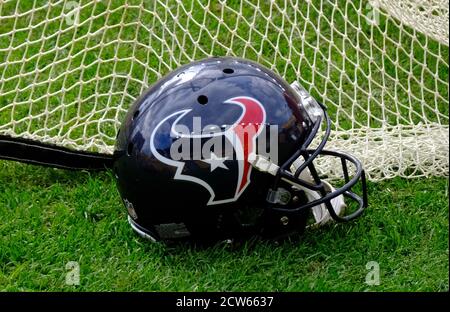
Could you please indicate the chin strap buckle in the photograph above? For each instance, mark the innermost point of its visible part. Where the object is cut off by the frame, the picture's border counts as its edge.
(279, 196)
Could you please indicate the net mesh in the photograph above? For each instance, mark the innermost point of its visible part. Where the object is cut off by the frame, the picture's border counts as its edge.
(70, 70)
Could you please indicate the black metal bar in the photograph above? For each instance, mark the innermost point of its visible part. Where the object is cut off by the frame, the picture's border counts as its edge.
(364, 188)
(345, 169)
(319, 147)
(29, 151)
(287, 175)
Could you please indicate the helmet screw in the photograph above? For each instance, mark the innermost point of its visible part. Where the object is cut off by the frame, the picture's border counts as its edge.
(284, 220)
(295, 199)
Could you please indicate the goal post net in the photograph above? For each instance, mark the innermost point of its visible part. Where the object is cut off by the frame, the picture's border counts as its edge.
(69, 70)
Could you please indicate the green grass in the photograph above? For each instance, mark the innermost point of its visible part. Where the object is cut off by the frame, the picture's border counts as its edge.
(50, 217)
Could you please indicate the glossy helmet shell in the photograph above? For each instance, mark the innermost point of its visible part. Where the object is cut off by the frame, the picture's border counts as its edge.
(167, 207)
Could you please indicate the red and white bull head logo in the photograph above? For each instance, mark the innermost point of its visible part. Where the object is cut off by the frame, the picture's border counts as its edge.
(241, 136)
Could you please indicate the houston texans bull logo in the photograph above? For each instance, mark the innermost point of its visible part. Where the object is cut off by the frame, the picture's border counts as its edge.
(241, 135)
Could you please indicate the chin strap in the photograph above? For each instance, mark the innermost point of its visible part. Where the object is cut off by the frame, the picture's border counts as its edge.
(320, 212)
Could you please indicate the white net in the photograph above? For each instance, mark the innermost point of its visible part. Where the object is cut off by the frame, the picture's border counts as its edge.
(69, 70)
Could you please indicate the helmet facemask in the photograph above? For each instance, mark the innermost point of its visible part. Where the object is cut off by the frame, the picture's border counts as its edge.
(299, 174)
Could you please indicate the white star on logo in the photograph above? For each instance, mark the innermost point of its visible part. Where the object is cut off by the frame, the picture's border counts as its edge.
(216, 162)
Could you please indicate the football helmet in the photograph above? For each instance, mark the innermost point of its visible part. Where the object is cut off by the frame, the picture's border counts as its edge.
(220, 149)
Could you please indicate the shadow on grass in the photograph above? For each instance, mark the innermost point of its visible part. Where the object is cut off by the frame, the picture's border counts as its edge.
(26, 175)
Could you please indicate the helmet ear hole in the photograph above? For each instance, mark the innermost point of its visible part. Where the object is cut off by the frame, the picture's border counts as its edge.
(202, 99)
(228, 70)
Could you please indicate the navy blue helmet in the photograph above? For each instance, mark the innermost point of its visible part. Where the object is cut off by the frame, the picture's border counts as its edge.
(220, 149)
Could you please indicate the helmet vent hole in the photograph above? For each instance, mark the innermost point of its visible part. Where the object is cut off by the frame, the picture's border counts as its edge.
(202, 99)
(136, 113)
(228, 70)
(130, 149)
